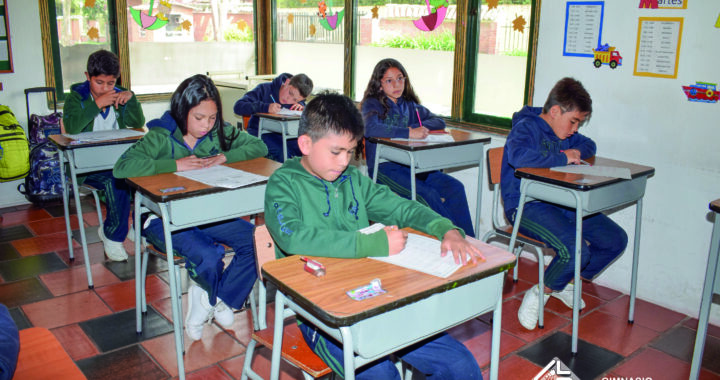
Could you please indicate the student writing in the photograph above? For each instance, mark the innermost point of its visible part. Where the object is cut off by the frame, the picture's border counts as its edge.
(315, 205)
(390, 108)
(288, 91)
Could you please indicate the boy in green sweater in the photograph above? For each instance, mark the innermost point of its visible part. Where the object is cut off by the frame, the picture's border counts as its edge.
(315, 205)
(99, 105)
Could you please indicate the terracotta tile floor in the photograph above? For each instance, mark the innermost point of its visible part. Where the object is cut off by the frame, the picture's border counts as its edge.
(96, 326)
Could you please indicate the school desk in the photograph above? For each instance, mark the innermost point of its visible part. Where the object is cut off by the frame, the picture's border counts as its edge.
(466, 150)
(587, 194)
(286, 125)
(85, 157)
(415, 307)
(230, 91)
(194, 205)
(710, 294)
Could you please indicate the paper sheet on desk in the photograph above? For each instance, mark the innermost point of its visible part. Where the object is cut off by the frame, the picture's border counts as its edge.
(602, 171)
(421, 254)
(222, 176)
(289, 112)
(104, 135)
(439, 138)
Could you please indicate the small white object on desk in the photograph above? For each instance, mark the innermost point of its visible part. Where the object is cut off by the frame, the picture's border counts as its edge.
(432, 138)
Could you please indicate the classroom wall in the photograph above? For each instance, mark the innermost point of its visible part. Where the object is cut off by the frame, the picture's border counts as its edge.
(650, 121)
(639, 119)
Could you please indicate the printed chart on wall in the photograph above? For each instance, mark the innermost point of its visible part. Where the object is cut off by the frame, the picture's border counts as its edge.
(583, 27)
(658, 46)
(5, 49)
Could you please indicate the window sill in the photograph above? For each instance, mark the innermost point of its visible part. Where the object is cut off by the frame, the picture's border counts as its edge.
(501, 132)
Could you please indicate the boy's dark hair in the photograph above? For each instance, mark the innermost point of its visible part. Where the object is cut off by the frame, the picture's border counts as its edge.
(331, 112)
(303, 84)
(570, 95)
(374, 87)
(103, 62)
(188, 95)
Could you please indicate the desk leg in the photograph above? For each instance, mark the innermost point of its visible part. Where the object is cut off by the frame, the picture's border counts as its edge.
(138, 259)
(277, 336)
(284, 138)
(578, 282)
(348, 354)
(377, 162)
(496, 334)
(636, 258)
(478, 207)
(412, 176)
(81, 223)
(174, 291)
(706, 300)
(66, 202)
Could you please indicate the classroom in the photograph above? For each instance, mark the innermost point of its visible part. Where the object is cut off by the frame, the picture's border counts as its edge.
(494, 57)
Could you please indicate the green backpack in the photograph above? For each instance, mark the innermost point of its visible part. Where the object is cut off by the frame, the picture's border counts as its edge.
(14, 148)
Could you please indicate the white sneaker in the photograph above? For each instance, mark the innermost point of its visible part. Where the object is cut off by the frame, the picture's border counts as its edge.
(529, 309)
(199, 312)
(224, 314)
(113, 249)
(566, 296)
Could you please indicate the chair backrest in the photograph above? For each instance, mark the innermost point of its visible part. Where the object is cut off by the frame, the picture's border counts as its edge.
(494, 162)
(245, 121)
(264, 248)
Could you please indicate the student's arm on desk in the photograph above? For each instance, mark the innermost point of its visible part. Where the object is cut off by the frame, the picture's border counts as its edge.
(585, 145)
(429, 119)
(523, 150)
(295, 236)
(254, 101)
(149, 156)
(244, 147)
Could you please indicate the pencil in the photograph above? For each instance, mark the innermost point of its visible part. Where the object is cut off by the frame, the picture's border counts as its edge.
(273, 98)
(418, 115)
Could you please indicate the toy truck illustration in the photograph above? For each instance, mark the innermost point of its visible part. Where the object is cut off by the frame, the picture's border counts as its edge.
(607, 55)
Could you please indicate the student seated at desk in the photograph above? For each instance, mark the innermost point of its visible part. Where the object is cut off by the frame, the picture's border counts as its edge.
(192, 135)
(391, 109)
(315, 205)
(287, 91)
(99, 105)
(547, 137)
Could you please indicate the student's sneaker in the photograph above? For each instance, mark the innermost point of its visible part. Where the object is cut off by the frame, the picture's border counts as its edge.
(113, 249)
(199, 312)
(224, 314)
(566, 296)
(529, 309)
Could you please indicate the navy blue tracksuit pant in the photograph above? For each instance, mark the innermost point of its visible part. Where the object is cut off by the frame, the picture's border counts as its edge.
(200, 246)
(437, 190)
(117, 204)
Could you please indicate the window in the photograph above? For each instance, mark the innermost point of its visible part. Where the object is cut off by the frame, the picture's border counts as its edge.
(76, 33)
(485, 82)
(498, 51)
(183, 38)
(420, 36)
(309, 40)
(159, 42)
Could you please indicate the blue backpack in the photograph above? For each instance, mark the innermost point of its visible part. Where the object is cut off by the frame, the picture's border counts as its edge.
(43, 184)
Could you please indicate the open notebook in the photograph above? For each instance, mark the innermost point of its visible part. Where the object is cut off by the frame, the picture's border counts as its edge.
(421, 253)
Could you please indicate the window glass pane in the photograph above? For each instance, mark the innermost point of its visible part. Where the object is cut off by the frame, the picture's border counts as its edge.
(172, 40)
(309, 40)
(81, 31)
(502, 57)
(418, 35)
